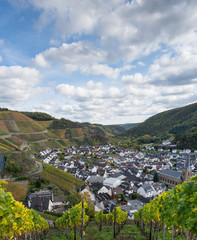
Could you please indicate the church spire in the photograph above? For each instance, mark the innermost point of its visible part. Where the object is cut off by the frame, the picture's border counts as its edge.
(186, 172)
(187, 164)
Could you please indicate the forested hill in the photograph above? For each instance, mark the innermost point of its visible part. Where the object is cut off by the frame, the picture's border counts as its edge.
(181, 122)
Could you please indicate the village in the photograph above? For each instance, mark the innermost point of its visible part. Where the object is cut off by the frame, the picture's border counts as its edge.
(115, 176)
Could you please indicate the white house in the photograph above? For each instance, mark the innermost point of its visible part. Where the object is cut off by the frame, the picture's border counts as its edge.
(86, 189)
(105, 189)
(112, 182)
(146, 190)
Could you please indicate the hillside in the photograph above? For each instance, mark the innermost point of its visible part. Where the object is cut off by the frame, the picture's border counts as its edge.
(40, 131)
(18, 164)
(177, 122)
(16, 128)
(37, 130)
(127, 126)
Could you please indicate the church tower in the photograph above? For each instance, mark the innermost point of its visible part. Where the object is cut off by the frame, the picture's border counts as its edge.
(186, 172)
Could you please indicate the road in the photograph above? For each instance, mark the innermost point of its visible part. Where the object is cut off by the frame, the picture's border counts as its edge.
(30, 174)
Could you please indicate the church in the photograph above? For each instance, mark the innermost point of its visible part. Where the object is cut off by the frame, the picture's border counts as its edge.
(171, 177)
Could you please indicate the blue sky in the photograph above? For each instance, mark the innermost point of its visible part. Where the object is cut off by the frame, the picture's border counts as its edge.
(101, 61)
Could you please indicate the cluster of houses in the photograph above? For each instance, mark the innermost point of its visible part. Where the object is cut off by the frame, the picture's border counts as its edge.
(114, 175)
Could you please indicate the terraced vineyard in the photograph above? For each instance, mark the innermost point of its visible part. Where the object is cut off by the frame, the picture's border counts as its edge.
(41, 131)
(61, 179)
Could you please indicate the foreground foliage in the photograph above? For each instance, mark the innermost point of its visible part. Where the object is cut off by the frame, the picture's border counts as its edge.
(17, 221)
(175, 210)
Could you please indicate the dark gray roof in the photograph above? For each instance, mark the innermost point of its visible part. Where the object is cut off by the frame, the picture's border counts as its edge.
(95, 179)
(41, 193)
(171, 173)
(147, 187)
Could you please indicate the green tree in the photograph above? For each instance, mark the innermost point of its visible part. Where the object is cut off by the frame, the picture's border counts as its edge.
(155, 177)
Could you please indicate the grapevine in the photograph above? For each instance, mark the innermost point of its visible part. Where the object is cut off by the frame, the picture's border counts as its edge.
(175, 210)
(16, 220)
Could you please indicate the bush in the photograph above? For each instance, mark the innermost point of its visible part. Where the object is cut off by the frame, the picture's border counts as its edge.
(13, 168)
(22, 178)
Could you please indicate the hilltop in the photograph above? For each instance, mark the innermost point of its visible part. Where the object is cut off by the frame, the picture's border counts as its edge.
(37, 130)
(179, 122)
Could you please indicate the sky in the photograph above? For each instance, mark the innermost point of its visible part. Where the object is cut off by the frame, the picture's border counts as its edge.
(98, 61)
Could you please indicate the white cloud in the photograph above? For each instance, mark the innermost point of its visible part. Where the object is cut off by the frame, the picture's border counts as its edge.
(54, 42)
(101, 69)
(1, 59)
(177, 67)
(137, 78)
(82, 56)
(18, 84)
(141, 63)
(74, 53)
(91, 91)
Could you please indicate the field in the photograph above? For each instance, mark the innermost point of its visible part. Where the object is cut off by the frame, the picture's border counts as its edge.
(45, 123)
(34, 137)
(9, 115)
(38, 146)
(15, 140)
(77, 132)
(29, 126)
(2, 133)
(51, 134)
(11, 126)
(59, 132)
(18, 189)
(3, 149)
(52, 144)
(3, 127)
(63, 142)
(7, 144)
(61, 179)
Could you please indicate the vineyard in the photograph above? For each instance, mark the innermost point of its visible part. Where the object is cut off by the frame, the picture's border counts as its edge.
(17, 222)
(59, 132)
(61, 179)
(18, 189)
(173, 212)
(29, 126)
(9, 115)
(76, 219)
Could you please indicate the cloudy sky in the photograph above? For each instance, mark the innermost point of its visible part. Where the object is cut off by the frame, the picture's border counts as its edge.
(101, 61)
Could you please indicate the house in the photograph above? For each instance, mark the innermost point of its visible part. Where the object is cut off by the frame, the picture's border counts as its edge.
(105, 189)
(58, 203)
(146, 190)
(159, 188)
(95, 179)
(99, 206)
(112, 182)
(86, 189)
(40, 201)
(116, 191)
